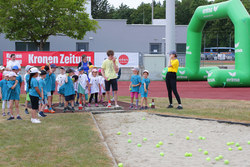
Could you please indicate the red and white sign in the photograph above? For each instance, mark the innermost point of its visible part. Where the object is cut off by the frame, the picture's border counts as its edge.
(125, 59)
(41, 58)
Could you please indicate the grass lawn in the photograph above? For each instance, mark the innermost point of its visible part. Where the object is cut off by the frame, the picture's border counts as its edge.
(60, 140)
(230, 110)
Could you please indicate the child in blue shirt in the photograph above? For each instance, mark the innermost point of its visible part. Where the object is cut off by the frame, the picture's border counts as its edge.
(34, 93)
(144, 89)
(4, 91)
(13, 95)
(26, 88)
(69, 91)
(19, 78)
(53, 80)
(134, 88)
(43, 99)
(48, 85)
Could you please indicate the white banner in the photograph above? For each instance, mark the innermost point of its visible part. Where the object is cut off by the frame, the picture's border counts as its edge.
(124, 59)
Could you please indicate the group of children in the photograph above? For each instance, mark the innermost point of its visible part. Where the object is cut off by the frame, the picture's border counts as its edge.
(139, 86)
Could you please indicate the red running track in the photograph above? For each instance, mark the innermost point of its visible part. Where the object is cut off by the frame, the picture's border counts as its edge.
(196, 90)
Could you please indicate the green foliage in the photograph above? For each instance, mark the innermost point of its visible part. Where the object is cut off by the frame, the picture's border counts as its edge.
(37, 20)
(101, 9)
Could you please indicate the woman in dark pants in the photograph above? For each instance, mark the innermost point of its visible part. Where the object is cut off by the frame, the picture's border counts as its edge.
(173, 65)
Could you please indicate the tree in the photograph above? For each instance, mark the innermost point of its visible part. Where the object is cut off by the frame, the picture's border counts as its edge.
(123, 12)
(101, 9)
(142, 15)
(37, 20)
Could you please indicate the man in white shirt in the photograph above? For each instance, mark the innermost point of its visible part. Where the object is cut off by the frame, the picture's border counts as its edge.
(13, 62)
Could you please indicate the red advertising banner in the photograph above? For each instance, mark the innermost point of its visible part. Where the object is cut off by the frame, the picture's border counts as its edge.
(41, 58)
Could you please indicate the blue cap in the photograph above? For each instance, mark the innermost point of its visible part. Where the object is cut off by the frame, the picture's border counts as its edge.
(15, 68)
(80, 69)
(53, 66)
(172, 52)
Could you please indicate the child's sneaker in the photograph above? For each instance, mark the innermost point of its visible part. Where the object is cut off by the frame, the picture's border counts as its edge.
(41, 114)
(146, 107)
(141, 108)
(179, 108)
(89, 105)
(51, 111)
(35, 121)
(4, 114)
(73, 109)
(10, 118)
(18, 118)
(8, 113)
(170, 106)
(136, 107)
(96, 105)
(131, 107)
(26, 111)
(65, 109)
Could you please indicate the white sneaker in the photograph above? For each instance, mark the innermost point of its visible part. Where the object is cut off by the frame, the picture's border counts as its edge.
(117, 106)
(36, 121)
(109, 105)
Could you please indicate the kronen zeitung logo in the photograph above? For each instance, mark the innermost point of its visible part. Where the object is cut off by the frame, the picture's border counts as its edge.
(210, 10)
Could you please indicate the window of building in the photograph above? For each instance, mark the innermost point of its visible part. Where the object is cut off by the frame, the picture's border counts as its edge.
(155, 48)
(30, 46)
(82, 46)
(181, 48)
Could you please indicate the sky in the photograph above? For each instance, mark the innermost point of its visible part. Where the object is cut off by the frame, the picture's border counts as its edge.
(130, 3)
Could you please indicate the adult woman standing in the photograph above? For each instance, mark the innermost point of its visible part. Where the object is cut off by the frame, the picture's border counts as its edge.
(173, 65)
(85, 64)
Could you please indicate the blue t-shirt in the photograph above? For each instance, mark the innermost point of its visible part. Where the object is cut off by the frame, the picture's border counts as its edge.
(135, 79)
(5, 89)
(48, 82)
(42, 85)
(69, 87)
(13, 94)
(32, 91)
(144, 81)
(19, 78)
(27, 82)
(53, 81)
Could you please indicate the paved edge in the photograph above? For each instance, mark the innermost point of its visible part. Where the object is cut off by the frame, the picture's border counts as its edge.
(103, 140)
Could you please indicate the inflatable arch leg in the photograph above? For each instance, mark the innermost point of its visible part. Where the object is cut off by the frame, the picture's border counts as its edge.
(235, 10)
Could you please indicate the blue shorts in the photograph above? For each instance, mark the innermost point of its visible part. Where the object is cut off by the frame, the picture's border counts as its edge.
(144, 94)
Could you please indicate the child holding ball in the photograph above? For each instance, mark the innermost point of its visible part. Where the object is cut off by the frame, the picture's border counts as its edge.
(144, 90)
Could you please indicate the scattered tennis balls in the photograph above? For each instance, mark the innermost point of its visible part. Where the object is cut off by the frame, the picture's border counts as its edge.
(120, 165)
(226, 162)
(160, 143)
(217, 158)
(129, 140)
(228, 143)
(190, 131)
(200, 137)
(205, 152)
(188, 154)
(162, 154)
(139, 145)
(145, 139)
(203, 138)
(208, 159)
(232, 143)
(171, 134)
(230, 149)
(157, 145)
(118, 133)
(220, 156)
(248, 142)
(129, 133)
(200, 150)
(187, 138)
(237, 144)
(143, 118)
(240, 148)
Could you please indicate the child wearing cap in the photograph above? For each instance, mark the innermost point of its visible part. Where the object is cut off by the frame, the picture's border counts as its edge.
(48, 86)
(43, 100)
(53, 81)
(26, 89)
(94, 87)
(144, 89)
(1, 72)
(19, 78)
(34, 93)
(134, 87)
(4, 92)
(83, 82)
(102, 91)
(60, 79)
(69, 91)
(13, 95)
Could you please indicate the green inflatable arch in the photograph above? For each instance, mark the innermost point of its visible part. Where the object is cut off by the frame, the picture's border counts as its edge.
(216, 77)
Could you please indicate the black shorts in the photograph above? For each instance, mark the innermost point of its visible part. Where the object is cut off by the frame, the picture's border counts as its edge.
(34, 102)
(52, 92)
(70, 97)
(113, 83)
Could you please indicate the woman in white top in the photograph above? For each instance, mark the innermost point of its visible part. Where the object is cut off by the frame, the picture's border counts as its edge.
(13, 62)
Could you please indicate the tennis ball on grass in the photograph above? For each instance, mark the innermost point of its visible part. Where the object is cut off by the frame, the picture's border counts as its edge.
(138, 145)
(120, 165)
(240, 148)
(162, 154)
(187, 138)
(226, 162)
(118, 133)
(129, 140)
(129, 133)
(157, 145)
(230, 149)
(208, 159)
(160, 143)
(205, 152)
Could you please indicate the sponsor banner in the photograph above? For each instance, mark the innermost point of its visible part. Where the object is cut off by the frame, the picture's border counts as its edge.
(41, 58)
(124, 59)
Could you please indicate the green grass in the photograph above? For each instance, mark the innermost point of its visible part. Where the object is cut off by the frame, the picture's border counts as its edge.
(60, 140)
(230, 110)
